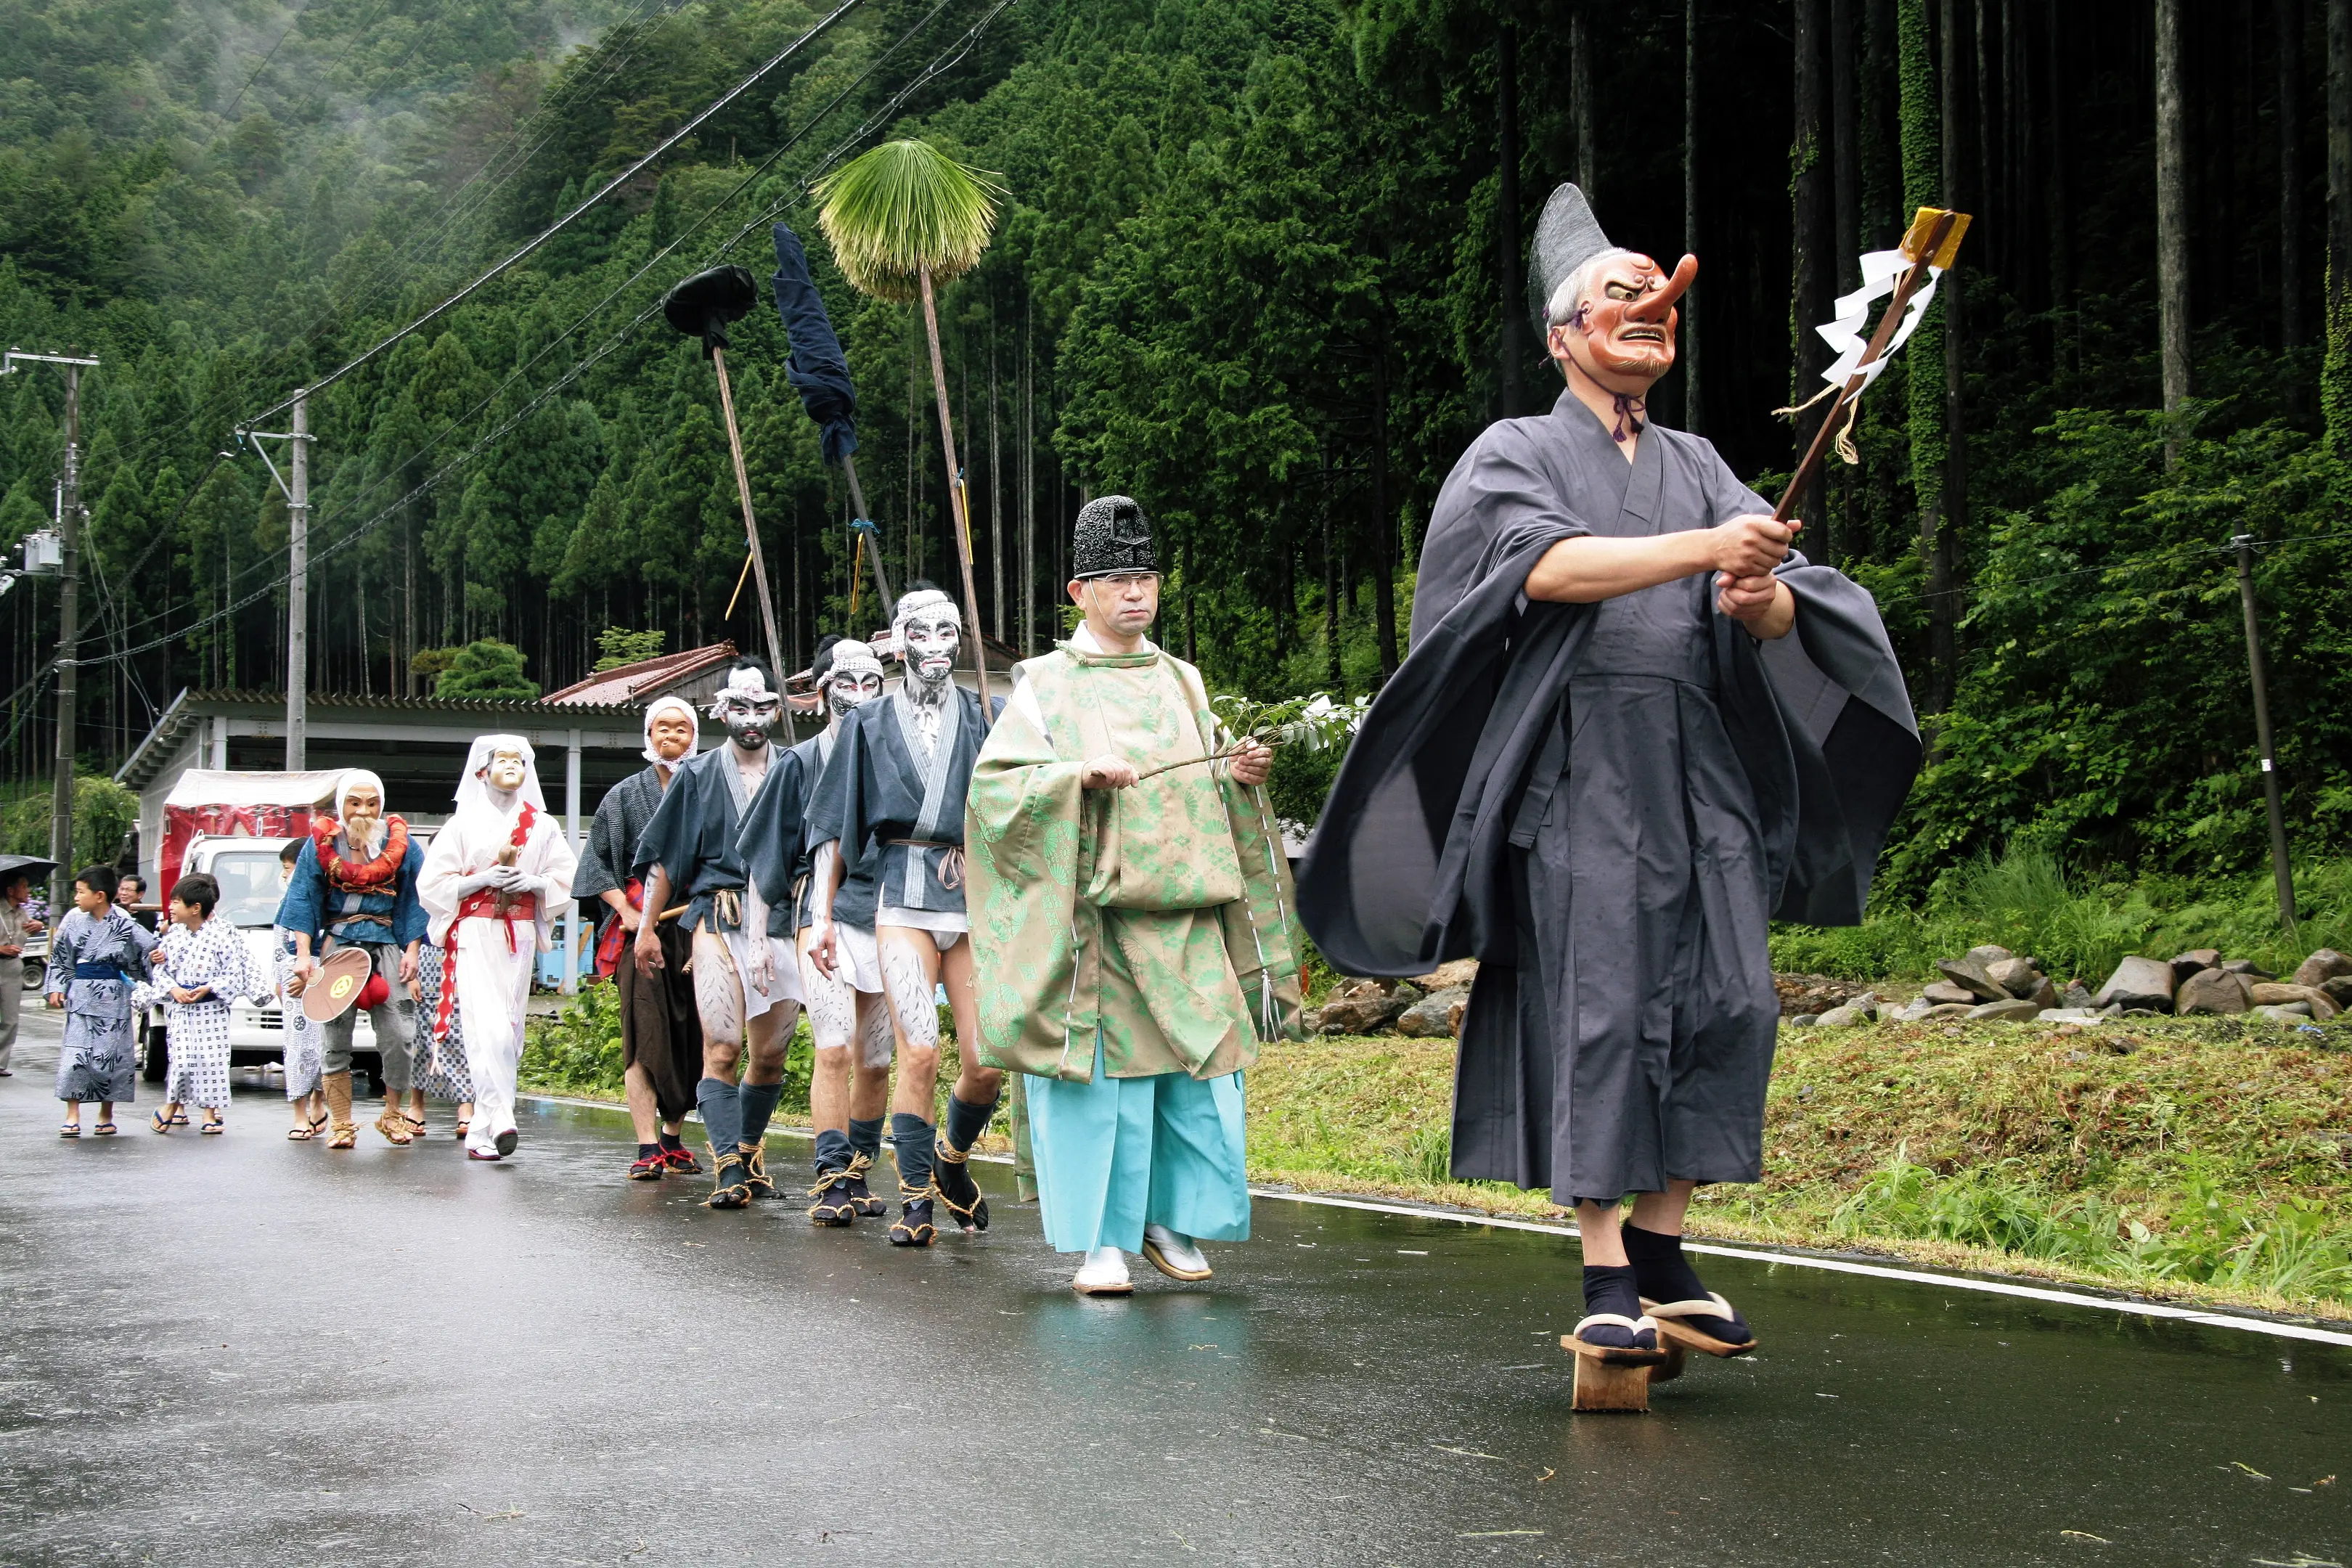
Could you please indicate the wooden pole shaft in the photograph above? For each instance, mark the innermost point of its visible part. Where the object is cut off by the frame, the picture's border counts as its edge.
(750, 528)
(1893, 317)
(857, 504)
(956, 499)
(2281, 872)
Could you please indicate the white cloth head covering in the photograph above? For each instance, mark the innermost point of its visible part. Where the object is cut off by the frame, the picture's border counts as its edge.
(660, 705)
(921, 599)
(474, 790)
(851, 657)
(743, 681)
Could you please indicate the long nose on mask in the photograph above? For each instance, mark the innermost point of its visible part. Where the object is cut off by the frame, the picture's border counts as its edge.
(1653, 306)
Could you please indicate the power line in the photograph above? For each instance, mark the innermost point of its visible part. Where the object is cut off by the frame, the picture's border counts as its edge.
(292, 23)
(947, 60)
(672, 140)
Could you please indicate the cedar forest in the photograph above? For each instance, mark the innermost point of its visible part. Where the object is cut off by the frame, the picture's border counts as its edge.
(1260, 265)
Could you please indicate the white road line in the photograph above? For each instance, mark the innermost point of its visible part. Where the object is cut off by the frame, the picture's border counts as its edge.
(2204, 1317)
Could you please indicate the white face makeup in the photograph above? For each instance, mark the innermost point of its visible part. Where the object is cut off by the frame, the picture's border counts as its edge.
(506, 770)
(927, 639)
(747, 709)
(851, 689)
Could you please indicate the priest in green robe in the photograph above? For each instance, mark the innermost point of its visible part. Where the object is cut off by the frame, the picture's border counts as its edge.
(1131, 926)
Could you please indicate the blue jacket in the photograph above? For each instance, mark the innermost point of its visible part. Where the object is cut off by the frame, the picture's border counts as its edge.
(310, 905)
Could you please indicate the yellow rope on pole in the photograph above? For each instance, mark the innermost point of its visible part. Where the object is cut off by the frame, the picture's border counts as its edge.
(737, 593)
(857, 580)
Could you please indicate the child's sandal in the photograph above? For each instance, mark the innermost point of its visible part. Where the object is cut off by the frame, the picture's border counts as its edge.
(105, 1129)
(70, 1129)
(214, 1124)
(160, 1122)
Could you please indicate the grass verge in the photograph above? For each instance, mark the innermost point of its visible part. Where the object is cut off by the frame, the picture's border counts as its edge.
(2206, 1160)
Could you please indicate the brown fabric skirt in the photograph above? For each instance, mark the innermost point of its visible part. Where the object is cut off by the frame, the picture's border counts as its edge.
(660, 1029)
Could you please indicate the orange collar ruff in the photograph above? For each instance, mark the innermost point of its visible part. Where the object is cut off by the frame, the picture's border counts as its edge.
(379, 875)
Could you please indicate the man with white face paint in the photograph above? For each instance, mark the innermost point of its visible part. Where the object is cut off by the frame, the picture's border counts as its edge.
(497, 871)
(892, 804)
(355, 885)
(850, 1087)
(746, 984)
(661, 1033)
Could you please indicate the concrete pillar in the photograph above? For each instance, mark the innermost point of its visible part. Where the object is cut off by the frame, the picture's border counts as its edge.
(571, 981)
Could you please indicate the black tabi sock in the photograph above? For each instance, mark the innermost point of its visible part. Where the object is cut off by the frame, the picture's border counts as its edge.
(967, 1122)
(1611, 1288)
(722, 1115)
(1665, 1275)
(758, 1104)
(910, 1142)
(832, 1151)
(647, 1151)
(671, 1142)
(866, 1138)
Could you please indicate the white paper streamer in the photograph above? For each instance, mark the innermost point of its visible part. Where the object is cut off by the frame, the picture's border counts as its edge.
(1848, 334)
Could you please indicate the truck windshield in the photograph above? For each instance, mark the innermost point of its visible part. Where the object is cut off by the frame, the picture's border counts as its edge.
(248, 885)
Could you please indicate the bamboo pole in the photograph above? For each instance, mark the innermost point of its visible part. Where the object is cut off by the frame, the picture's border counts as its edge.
(957, 502)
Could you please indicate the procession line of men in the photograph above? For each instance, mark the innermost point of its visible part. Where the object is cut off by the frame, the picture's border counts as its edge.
(1603, 766)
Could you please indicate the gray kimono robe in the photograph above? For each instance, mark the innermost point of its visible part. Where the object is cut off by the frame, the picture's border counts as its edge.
(661, 1030)
(896, 810)
(1606, 803)
(692, 837)
(95, 961)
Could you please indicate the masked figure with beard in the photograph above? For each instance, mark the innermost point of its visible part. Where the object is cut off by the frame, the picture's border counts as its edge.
(892, 802)
(355, 885)
(1604, 767)
(746, 985)
(661, 1033)
(850, 1087)
(497, 871)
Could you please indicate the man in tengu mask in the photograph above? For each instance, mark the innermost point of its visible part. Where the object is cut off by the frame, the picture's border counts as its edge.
(892, 802)
(849, 1087)
(746, 986)
(1605, 766)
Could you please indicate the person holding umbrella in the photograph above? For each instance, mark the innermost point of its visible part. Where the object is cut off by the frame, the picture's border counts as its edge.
(16, 874)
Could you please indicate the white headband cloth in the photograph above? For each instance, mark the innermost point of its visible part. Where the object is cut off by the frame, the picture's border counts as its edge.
(851, 657)
(914, 604)
(745, 685)
(357, 778)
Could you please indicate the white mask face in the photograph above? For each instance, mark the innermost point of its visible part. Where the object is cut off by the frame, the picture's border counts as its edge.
(506, 770)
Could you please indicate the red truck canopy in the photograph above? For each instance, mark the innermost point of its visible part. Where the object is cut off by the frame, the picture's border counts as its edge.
(237, 805)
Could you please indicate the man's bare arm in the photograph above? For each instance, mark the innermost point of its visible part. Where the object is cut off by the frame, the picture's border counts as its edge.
(1588, 569)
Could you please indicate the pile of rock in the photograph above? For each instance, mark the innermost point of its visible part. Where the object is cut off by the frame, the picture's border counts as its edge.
(2204, 982)
(1428, 1008)
(1994, 983)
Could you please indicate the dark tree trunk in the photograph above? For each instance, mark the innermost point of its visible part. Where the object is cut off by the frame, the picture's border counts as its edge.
(1512, 342)
(2171, 225)
(1812, 248)
(1845, 140)
(1384, 532)
(2335, 377)
(1693, 404)
(2290, 162)
(1580, 99)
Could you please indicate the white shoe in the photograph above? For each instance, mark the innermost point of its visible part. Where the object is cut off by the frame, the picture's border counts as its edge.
(1175, 1255)
(1104, 1273)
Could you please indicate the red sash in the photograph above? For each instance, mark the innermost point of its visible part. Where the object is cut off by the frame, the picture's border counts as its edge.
(615, 936)
(483, 904)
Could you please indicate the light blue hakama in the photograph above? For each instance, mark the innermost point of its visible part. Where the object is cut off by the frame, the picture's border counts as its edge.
(1118, 1154)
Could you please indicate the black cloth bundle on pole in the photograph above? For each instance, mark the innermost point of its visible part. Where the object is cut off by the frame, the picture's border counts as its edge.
(702, 305)
(816, 366)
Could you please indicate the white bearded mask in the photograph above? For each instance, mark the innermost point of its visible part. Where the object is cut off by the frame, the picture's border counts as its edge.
(929, 629)
(852, 679)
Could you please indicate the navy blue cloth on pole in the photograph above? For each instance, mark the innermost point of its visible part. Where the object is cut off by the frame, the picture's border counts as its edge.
(818, 368)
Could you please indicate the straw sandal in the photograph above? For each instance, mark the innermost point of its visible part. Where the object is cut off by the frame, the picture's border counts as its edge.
(952, 1184)
(346, 1136)
(395, 1128)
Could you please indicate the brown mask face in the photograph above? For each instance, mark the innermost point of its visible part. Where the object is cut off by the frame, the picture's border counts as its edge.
(1622, 335)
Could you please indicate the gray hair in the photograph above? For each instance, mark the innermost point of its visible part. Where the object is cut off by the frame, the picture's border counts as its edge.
(1570, 292)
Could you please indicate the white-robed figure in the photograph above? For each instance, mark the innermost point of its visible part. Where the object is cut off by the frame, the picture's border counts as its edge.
(492, 877)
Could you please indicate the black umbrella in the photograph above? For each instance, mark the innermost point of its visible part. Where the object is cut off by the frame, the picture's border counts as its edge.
(36, 866)
(701, 306)
(819, 370)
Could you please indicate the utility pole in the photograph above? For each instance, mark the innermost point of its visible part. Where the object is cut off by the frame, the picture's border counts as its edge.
(2281, 872)
(295, 486)
(68, 622)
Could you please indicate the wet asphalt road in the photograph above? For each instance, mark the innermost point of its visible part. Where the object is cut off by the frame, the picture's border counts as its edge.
(238, 1349)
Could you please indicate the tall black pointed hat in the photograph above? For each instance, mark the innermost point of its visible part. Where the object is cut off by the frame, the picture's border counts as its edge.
(1113, 535)
(1567, 237)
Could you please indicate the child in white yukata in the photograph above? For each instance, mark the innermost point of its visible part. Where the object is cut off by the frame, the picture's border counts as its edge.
(199, 966)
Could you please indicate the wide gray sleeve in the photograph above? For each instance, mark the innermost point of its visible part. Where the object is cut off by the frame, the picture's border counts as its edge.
(597, 875)
(1499, 488)
(1727, 498)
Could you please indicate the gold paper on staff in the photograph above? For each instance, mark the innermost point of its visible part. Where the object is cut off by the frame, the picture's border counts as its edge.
(1922, 224)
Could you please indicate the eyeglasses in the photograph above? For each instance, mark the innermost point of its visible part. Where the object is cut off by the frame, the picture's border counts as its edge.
(1121, 581)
